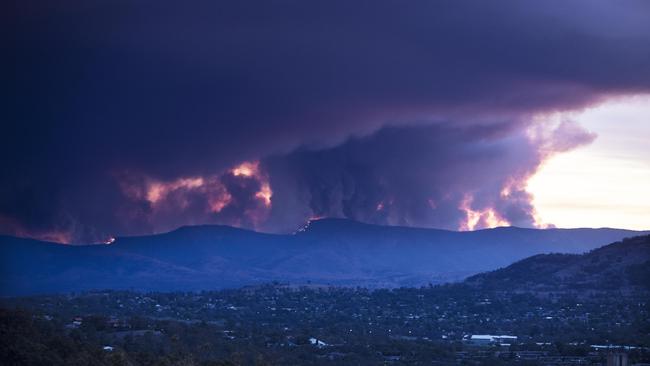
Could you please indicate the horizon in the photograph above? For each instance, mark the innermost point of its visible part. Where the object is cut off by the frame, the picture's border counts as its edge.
(307, 224)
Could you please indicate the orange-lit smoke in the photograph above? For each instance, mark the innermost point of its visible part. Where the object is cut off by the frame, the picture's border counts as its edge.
(252, 169)
(265, 194)
(479, 219)
(158, 190)
(247, 169)
(61, 236)
(214, 198)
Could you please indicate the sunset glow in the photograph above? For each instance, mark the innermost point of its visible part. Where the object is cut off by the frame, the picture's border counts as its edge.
(604, 184)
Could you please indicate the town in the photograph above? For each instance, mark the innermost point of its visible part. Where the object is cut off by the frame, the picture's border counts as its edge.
(283, 324)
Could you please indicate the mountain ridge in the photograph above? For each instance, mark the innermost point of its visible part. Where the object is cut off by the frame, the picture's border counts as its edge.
(332, 251)
(321, 223)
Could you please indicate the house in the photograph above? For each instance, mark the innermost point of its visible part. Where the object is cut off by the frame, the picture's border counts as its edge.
(488, 339)
(318, 343)
(76, 322)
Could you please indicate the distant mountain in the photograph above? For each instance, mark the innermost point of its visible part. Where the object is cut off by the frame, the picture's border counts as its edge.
(623, 266)
(329, 251)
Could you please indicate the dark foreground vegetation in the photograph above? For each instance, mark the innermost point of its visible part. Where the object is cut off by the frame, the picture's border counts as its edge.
(276, 324)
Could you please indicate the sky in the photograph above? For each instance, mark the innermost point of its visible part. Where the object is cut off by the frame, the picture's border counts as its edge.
(604, 184)
(130, 118)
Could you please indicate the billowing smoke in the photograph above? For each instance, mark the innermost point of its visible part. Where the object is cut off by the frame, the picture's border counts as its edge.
(441, 176)
(240, 196)
(130, 117)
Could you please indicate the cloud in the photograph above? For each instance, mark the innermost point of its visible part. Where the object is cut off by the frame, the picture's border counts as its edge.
(169, 92)
(441, 176)
(240, 196)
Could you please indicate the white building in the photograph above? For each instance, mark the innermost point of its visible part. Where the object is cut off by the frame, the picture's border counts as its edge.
(485, 339)
(317, 342)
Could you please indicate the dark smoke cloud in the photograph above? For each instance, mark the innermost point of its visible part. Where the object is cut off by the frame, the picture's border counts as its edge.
(100, 93)
(420, 176)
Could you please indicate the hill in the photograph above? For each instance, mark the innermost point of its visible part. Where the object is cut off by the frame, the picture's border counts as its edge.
(622, 266)
(330, 251)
